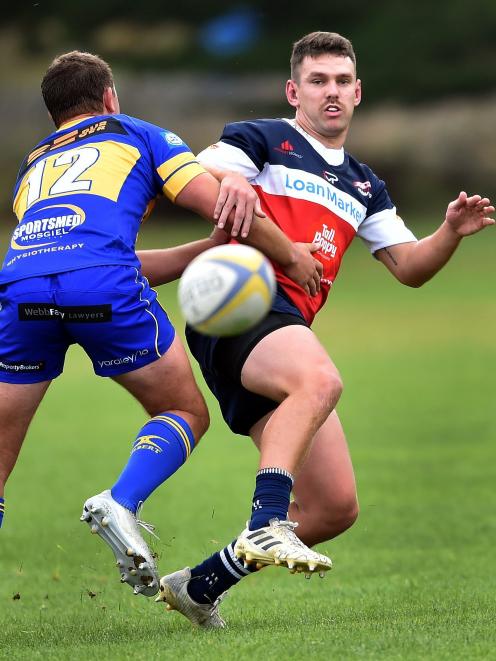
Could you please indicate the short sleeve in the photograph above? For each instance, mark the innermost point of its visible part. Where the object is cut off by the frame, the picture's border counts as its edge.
(227, 157)
(174, 162)
(382, 227)
(242, 147)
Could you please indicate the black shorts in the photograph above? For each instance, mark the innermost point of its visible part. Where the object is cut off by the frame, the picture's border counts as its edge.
(221, 361)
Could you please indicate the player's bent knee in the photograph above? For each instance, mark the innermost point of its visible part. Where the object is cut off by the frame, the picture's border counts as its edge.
(327, 385)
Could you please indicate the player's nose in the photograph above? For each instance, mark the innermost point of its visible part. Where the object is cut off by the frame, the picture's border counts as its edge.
(332, 91)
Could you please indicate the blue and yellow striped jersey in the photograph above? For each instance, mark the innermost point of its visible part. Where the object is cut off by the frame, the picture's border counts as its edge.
(81, 194)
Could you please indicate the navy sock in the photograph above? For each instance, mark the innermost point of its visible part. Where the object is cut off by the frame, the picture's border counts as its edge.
(271, 497)
(2, 510)
(162, 446)
(217, 574)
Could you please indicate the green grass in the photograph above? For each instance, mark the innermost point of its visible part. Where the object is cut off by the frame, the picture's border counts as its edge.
(413, 579)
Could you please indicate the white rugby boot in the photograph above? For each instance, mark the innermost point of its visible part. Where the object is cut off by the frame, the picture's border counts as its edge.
(174, 592)
(277, 544)
(118, 526)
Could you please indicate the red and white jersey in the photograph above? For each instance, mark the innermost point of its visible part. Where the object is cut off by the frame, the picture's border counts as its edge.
(313, 193)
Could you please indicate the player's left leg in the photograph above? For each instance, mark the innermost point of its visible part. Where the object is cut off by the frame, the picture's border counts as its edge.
(167, 390)
(324, 505)
(137, 347)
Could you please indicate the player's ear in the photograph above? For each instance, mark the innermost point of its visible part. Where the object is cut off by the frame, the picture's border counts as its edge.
(292, 93)
(110, 101)
(358, 92)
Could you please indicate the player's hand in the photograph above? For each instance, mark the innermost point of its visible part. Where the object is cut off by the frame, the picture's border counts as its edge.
(238, 195)
(468, 215)
(306, 271)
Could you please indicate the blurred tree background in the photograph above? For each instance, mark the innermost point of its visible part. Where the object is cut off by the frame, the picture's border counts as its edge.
(426, 123)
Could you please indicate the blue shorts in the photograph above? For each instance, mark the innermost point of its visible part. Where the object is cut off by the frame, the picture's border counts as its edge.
(111, 311)
(221, 361)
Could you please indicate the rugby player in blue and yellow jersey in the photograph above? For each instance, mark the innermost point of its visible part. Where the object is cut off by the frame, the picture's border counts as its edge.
(71, 275)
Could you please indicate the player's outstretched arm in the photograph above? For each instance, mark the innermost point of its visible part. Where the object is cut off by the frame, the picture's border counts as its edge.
(167, 264)
(201, 195)
(415, 263)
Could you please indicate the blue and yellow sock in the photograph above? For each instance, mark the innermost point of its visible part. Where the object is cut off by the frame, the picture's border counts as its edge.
(217, 574)
(161, 447)
(271, 497)
(2, 510)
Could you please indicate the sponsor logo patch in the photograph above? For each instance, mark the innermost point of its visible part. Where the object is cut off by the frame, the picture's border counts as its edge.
(325, 240)
(79, 314)
(287, 148)
(10, 366)
(148, 443)
(330, 177)
(54, 223)
(124, 360)
(363, 187)
(311, 189)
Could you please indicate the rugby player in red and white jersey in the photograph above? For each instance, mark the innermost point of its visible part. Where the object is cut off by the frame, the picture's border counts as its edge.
(276, 383)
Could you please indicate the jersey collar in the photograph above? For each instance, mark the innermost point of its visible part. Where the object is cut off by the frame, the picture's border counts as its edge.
(332, 156)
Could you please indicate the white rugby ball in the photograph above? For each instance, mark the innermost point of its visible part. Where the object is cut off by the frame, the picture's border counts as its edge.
(226, 290)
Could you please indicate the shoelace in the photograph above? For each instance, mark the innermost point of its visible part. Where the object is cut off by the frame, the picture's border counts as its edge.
(149, 527)
(215, 606)
(288, 530)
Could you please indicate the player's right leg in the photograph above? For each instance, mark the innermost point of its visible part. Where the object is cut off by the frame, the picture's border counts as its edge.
(32, 351)
(324, 500)
(18, 404)
(291, 367)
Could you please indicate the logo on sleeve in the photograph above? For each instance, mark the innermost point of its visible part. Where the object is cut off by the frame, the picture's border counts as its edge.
(172, 138)
(363, 187)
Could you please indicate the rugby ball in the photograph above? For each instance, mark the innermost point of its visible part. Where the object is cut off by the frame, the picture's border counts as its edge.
(226, 290)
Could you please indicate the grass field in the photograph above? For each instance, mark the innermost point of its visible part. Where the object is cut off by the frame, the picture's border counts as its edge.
(413, 579)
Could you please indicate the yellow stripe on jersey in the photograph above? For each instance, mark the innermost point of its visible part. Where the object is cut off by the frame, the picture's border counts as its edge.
(37, 152)
(110, 166)
(177, 172)
(67, 137)
(173, 423)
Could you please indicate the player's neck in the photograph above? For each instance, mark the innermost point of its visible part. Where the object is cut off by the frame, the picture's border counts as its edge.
(78, 118)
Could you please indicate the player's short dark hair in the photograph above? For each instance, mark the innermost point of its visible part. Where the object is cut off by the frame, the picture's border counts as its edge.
(74, 85)
(320, 43)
